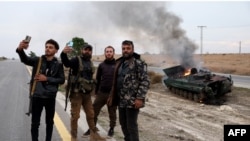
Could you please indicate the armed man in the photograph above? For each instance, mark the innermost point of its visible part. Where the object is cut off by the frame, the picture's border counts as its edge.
(47, 74)
(82, 84)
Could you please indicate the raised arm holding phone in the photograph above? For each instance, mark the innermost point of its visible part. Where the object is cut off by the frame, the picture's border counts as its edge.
(47, 78)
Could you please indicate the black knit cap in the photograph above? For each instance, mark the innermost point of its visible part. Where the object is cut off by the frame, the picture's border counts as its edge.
(87, 46)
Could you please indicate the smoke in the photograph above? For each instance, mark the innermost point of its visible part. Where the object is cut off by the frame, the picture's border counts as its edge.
(151, 27)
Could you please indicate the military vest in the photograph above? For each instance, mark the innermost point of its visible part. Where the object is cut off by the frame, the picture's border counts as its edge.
(79, 83)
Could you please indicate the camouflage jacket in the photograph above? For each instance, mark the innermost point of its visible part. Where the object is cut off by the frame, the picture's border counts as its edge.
(135, 83)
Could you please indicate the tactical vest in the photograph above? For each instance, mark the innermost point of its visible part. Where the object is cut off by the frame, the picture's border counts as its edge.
(79, 83)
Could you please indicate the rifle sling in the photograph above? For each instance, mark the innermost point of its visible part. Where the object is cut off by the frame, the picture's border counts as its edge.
(37, 72)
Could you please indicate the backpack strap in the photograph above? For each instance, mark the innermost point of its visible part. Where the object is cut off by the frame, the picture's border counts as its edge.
(80, 69)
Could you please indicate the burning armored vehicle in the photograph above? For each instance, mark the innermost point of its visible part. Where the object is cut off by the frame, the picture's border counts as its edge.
(201, 86)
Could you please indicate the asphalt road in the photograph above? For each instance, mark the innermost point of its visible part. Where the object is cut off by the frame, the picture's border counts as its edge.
(15, 124)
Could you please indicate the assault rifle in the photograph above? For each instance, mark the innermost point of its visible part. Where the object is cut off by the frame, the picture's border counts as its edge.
(33, 86)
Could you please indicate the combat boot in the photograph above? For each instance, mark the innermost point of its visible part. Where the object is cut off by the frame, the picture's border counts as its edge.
(95, 136)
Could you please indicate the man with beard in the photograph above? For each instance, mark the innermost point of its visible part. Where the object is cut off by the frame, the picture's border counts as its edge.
(130, 86)
(104, 77)
(79, 94)
(47, 80)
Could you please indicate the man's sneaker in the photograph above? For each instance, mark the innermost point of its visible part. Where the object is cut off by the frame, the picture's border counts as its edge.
(111, 131)
(86, 134)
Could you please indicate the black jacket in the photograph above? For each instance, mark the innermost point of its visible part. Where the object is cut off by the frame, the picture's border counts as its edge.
(56, 76)
(104, 76)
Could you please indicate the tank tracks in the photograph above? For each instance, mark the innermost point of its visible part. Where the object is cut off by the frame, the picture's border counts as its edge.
(199, 98)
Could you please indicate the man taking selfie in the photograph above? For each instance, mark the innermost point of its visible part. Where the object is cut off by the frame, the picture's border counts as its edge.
(47, 74)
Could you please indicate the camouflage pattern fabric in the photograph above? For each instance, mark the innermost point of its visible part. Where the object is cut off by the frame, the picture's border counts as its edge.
(135, 83)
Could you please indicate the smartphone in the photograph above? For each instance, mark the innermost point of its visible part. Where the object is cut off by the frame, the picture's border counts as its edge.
(70, 44)
(27, 38)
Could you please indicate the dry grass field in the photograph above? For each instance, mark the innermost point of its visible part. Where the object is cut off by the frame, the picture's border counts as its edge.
(223, 63)
(228, 63)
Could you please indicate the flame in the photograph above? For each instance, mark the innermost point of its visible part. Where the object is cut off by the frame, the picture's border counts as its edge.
(187, 72)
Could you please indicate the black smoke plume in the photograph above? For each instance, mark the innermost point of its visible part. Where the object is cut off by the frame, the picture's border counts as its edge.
(151, 26)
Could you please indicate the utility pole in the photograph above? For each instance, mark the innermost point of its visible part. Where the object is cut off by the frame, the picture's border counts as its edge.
(240, 48)
(201, 27)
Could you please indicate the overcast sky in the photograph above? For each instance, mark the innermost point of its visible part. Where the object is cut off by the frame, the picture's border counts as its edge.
(108, 23)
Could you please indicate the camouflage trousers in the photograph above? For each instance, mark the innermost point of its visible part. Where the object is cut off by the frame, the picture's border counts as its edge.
(79, 100)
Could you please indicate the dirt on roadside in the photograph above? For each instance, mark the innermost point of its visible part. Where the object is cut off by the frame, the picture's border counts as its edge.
(168, 117)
